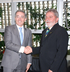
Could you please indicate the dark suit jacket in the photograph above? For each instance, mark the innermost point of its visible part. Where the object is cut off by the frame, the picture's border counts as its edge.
(53, 50)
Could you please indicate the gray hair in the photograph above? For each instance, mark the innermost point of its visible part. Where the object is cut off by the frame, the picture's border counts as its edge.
(20, 11)
(54, 11)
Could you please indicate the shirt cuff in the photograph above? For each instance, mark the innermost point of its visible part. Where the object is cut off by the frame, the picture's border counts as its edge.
(21, 50)
(29, 63)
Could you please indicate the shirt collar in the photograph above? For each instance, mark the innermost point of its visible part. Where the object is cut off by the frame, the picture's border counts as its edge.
(19, 26)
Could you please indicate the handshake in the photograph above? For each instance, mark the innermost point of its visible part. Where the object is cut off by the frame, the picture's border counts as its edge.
(27, 50)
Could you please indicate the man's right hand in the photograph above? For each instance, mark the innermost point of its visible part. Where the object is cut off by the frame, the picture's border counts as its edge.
(27, 50)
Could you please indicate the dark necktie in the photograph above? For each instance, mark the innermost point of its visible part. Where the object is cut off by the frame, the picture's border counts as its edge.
(47, 31)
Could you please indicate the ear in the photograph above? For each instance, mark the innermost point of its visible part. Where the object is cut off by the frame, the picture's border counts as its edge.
(57, 19)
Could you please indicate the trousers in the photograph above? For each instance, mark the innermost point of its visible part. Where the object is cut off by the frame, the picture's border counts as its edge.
(18, 68)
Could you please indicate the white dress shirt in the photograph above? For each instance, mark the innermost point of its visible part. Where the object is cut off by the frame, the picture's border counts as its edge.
(21, 50)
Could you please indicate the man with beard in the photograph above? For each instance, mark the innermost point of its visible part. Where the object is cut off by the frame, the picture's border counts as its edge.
(53, 46)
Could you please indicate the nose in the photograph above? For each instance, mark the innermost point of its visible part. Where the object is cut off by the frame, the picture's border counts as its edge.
(19, 18)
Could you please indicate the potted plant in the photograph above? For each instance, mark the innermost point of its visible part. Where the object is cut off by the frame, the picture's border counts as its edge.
(2, 44)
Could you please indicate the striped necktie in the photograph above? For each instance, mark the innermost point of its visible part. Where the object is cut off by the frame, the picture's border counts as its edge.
(47, 31)
(21, 35)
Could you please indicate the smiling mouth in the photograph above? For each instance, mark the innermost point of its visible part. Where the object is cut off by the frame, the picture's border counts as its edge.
(19, 21)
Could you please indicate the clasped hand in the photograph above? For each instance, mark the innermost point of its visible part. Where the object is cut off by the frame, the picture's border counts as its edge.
(27, 50)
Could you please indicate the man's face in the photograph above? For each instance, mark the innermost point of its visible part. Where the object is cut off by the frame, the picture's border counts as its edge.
(20, 18)
(51, 19)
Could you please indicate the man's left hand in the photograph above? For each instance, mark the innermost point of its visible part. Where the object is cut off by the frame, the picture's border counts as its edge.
(50, 70)
(28, 66)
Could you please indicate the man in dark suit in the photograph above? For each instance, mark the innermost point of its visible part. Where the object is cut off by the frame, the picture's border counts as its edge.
(53, 46)
(14, 58)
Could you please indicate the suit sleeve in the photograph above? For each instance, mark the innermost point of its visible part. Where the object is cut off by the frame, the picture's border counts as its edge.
(62, 43)
(29, 57)
(8, 40)
(36, 50)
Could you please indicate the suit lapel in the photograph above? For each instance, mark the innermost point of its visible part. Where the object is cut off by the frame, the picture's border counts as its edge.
(17, 33)
(52, 30)
(18, 36)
